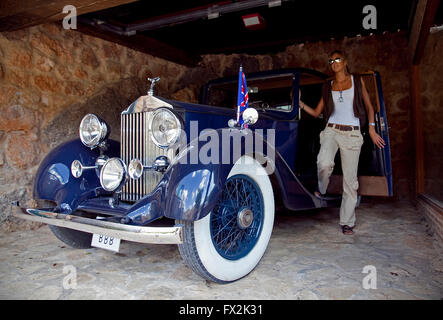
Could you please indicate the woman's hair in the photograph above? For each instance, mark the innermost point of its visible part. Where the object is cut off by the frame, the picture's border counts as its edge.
(339, 52)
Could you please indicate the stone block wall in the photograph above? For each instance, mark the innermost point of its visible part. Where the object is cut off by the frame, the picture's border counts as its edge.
(49, 79)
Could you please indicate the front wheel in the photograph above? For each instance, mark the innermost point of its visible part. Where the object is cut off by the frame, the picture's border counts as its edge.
(228, 243)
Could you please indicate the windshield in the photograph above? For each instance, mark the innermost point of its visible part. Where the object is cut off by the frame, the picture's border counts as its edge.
(271, 93)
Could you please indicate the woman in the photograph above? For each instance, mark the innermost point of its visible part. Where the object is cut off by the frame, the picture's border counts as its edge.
(346, 107)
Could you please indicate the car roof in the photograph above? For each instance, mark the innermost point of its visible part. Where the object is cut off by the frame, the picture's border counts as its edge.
(268, 73)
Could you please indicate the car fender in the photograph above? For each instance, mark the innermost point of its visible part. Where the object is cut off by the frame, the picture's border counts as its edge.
(54, 181)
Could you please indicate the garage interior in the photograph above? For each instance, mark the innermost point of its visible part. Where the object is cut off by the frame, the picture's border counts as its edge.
(50, 77)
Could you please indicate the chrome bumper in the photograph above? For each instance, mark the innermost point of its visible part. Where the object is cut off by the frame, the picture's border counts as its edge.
(157, 235)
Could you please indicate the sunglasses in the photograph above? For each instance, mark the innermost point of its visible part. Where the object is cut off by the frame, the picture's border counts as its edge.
(331, 61)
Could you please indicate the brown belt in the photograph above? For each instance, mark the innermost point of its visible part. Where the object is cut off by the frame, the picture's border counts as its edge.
(343, 127)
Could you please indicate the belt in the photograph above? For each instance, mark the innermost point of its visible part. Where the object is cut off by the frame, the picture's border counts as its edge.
(343, 127)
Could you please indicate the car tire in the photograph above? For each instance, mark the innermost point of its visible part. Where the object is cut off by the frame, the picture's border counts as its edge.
(73, 238)
(205, 240)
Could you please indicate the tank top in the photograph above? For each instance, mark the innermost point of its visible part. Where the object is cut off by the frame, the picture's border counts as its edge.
(343, 107)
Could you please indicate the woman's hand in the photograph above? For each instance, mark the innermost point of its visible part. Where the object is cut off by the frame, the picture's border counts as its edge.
(378, 141)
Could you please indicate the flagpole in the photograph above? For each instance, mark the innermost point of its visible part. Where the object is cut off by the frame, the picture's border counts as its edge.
(239, 84)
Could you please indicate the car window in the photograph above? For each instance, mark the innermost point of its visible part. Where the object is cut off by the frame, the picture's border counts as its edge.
(270, 94)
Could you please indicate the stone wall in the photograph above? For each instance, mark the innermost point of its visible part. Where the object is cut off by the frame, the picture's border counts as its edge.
(49, 79)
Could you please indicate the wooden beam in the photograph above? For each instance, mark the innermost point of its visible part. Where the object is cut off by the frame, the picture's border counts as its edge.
(417, 121)
(144, 44)
(423, 20)
(27, 13)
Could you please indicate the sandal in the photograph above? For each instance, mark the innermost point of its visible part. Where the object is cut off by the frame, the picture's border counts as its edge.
(347, 230)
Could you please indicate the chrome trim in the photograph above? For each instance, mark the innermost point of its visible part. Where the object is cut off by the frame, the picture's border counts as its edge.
(156, 235)
(137, 144)
(146, 104)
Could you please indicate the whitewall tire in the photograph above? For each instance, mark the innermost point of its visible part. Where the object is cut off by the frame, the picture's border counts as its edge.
(228, 243)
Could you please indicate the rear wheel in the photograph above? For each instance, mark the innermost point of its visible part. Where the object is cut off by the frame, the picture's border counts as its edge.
(229, 242)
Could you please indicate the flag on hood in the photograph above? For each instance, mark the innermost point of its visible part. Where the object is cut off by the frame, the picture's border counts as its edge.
(242, 97)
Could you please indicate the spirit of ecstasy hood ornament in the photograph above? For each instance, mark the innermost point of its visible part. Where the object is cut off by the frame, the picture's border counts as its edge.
(153, 82)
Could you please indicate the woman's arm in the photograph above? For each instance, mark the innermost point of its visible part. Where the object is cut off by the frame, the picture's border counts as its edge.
(378, 141)
(313, 112)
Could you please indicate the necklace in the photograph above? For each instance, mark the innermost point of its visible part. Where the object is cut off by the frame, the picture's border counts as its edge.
(340, 99)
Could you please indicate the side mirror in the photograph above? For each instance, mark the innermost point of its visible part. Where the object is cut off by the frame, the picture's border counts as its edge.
(250, 116)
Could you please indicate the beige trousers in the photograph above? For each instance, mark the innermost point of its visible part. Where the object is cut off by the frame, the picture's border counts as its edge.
(349, 143)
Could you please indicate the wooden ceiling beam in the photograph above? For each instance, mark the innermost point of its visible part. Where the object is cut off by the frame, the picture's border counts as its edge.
(423, 20)
(27, 13)
(143, 44)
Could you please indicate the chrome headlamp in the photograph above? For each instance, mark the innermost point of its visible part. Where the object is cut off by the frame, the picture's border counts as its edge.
(92, 130)
(113, 174)
(165, 128)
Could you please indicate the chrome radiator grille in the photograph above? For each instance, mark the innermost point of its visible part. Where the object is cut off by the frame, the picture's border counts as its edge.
(136, 143)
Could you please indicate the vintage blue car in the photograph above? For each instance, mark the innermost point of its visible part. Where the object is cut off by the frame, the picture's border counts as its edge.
(188, 174)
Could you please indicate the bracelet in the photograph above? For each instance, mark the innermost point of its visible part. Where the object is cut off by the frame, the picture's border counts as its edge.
(372, 124)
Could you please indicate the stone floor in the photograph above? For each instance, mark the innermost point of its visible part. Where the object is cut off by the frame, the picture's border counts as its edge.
(307, 258)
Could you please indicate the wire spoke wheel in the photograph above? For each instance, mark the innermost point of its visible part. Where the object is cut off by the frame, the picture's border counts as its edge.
(237, 219)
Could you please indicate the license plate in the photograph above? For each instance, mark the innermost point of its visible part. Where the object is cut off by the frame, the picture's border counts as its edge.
(105, 242)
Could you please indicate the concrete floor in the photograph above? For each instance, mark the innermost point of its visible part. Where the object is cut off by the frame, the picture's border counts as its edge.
(307, 258)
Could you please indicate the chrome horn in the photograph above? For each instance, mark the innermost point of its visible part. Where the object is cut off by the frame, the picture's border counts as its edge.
(77, 167)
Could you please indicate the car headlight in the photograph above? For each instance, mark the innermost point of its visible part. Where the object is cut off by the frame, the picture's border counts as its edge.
(92, 130)
(165, 128)
(113, 174)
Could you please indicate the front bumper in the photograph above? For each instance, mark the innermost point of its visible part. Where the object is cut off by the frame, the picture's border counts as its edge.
(157, 235)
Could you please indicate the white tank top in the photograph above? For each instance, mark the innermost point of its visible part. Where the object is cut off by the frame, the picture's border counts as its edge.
(344, 107)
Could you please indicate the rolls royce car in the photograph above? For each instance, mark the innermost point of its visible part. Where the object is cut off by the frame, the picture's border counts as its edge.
(190, 174)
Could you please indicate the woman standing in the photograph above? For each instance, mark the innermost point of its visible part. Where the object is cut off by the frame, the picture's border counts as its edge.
(346, 107)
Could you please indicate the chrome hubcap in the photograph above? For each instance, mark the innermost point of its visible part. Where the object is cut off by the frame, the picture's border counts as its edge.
(245, 218)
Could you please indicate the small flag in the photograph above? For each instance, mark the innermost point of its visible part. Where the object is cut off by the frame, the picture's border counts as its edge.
(242, 97)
